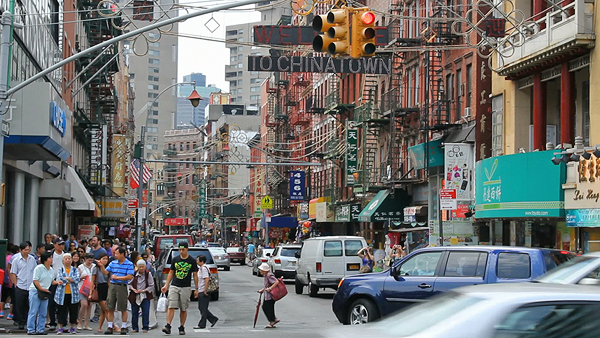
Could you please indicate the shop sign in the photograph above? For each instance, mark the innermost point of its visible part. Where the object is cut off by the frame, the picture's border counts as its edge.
(114, 207)
(583, 218)
(342, 213)
(435, 154)
(410, 214)
(458, 161)
(58, 117)
(585, 192)
(460, 211)
(448, 199)
(177, 221)
(202, 199)
(303, 210)
(297, 185)
(87, 231)
(324, 214)
(519, 185)
(119, 156)
(355, 210)
(351, 153)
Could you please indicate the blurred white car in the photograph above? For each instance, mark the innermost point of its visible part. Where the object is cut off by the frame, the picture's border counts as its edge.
(264, 258)
(580, 270)
(283, 261)
(221, 258)
(510, 310)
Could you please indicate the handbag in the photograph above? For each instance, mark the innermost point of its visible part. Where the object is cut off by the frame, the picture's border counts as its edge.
(86, 286)
(365, 269)
(162, 304)
(213, 282)
(279, 291)
(42, 295)
(95, 296)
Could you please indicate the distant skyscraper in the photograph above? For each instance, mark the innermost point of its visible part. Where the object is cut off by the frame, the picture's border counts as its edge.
(185, 112)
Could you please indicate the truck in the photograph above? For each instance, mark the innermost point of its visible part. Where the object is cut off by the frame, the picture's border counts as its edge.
(430, 271)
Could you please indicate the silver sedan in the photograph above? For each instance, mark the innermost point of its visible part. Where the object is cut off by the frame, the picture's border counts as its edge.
(580, 270)
(494, 311)
(221, 258)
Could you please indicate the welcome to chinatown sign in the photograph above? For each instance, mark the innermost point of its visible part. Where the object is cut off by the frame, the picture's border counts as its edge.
(319, 64)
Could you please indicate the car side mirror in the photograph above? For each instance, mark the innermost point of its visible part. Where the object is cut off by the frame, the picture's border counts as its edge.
(589, 281)
(395, 272)
(268, 255)
(297, 254)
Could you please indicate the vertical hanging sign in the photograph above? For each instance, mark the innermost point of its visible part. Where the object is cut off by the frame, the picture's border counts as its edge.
(202, 199)
(297, 184)
(351, 153)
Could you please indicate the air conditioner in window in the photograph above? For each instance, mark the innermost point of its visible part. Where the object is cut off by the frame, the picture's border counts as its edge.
(467, 111)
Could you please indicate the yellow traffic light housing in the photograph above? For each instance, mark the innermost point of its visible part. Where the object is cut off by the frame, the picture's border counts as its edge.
(339, 31)
(335, 29)
(363, 33)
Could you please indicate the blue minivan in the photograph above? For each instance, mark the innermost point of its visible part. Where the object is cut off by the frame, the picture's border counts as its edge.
(430, 271)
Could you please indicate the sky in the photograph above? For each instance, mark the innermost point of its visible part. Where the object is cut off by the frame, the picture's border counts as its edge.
(208, 57)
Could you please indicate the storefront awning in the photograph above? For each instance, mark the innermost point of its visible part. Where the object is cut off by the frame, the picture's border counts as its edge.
(82, 200)
(385, 206)
(283, 222)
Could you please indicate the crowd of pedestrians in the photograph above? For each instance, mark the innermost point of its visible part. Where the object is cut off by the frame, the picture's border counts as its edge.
(56, 287)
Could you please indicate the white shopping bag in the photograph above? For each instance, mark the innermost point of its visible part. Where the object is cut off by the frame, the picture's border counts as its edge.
(162, 304)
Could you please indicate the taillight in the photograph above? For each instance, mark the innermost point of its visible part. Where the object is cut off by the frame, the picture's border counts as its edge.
(318, 267)
(263, 260)
(166, 271)
(565, 252)
(278, 261)
(213, 270)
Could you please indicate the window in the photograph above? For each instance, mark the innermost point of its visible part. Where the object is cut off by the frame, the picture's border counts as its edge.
(153, 61)
(152, 87)
(352, 247)
(466, 264)
(153, 36)
(131, 76)
(232, 58)
(153, 52)
(585, 107)
(153, 129)
(154, 112)
(153, 70)
(154, 44)
(513, 265)
(557, 320)
(254, 97)
(421, 265)
(469, 86)
(255, 89)
(152, 95)
(154, 104)
(152, 78)
(240, 90)
(332, 248)
(497, 125)
(187, 181)
(254, 81)
(153, 121)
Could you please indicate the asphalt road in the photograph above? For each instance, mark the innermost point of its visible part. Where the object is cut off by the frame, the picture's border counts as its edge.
(300, 315)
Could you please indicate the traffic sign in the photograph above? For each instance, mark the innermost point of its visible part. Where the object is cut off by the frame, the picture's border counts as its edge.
(266, 202)
(448, 199)
(133, 203)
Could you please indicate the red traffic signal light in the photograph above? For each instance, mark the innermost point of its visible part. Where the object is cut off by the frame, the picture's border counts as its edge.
(363, 33)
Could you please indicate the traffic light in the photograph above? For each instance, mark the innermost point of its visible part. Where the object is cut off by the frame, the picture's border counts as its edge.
(335, 27)
(168, 211)
(363, 33)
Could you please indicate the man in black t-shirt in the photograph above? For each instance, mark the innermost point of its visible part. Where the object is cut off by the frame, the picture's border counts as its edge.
(183, 267)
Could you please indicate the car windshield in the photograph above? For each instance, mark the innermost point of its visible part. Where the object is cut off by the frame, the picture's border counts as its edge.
(171, 241)
(562, 273)
(217, 251)
(289, 252)
(234, 249)
(195, 253)
(419, 318)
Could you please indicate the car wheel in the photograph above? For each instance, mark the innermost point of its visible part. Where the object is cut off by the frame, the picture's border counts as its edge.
(362, 311)
(299, 286)
(313, 290)
(214, 295)
(227, 268)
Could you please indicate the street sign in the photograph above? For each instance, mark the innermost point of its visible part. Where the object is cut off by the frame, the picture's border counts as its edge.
(448, 199)
(266, 202)
(5, 128)
(132, 203)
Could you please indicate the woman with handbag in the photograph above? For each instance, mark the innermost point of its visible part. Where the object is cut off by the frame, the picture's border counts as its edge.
(269, 304)
(100, 288)
(67, 295)
(86, 271)
(43, 278)
(203, 296)
(141, 288)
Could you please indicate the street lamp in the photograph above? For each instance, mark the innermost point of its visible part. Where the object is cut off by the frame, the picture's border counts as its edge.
(194, 100)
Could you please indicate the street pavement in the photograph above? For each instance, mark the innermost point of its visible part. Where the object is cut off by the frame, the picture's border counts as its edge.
(300, 315)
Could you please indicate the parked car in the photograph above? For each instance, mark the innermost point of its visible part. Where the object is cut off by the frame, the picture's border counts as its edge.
(264, 258)
(236, 254)
(430, 271)
(165, 241)
(580, 270)
(521, 310)
(324, 261)
(283, 261)
(221, 258)
(164, 266)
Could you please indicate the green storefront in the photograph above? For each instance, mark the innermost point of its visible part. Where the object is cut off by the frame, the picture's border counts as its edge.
(519, 199)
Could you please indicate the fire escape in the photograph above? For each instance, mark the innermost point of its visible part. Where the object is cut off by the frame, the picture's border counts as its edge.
(102, 99)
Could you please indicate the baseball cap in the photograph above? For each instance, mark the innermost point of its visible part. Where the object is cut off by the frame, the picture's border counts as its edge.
(183, 245)
(59, 241)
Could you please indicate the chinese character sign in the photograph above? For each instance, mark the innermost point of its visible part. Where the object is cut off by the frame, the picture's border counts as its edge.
(297, 185)
(351, 153)
(495, 27)
(119, 155)
(202, 199)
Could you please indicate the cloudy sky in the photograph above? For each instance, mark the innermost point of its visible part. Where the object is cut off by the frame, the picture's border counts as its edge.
(208, 57)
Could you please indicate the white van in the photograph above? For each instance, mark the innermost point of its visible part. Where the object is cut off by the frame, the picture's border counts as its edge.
(324, 261)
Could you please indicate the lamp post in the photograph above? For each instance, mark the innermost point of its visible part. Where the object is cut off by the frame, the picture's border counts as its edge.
(194, 100)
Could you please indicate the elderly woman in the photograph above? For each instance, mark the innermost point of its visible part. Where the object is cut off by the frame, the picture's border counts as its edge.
(67, 295)
(140, 294)
(38, 307)
(269, 303)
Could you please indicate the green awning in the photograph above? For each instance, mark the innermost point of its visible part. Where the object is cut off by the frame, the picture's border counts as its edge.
(385, 206)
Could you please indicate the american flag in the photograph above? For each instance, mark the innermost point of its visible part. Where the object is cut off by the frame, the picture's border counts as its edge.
(134, 168)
